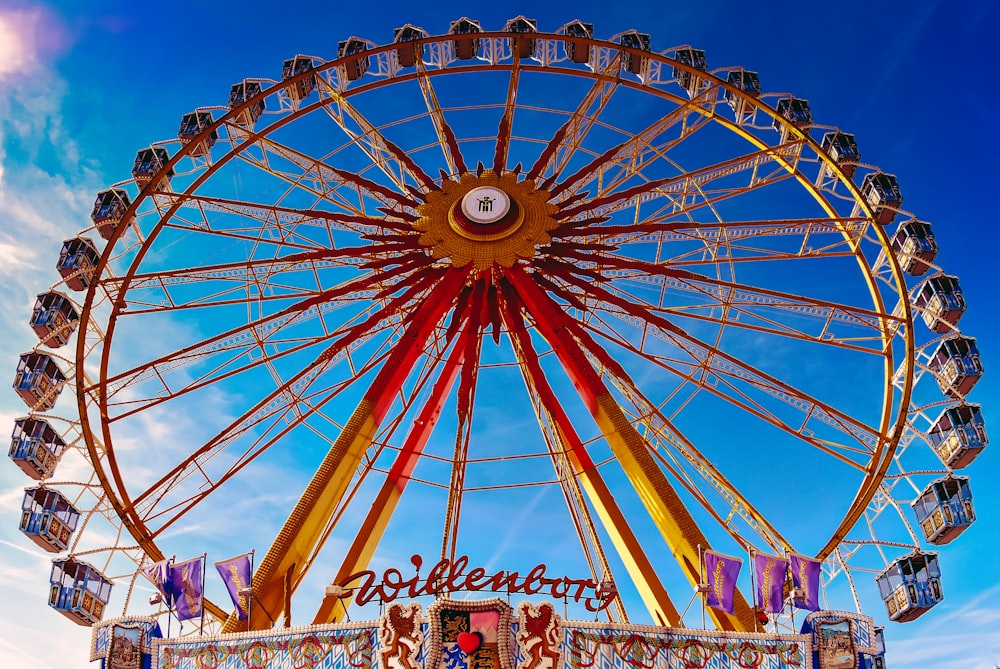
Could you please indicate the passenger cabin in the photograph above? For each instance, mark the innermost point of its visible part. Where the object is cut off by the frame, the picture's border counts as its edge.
(694, 58)
(523, 46)
(959, 435)
(303, 88)
(77, 262)
(356, 68)
(36, 447)
(944, 509)
(794, 110)
(53, 318)
(239, 94)
(38, 380)
(747, 83)
(48, 518)
(941, 300)
(78, 591)
(407, 53)
(634, 39)
(577, 51)
(956, 366)
(843, 149)
(466, 48)
(109, 210)
(881, 192)
(915, 246)
(150, 163)
(192, 130)
(878, 659)
(910, 586)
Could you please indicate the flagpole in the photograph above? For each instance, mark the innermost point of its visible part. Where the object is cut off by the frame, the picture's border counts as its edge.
(201, 602)
(701, 580)
(791, 600)
(250, 598)
(753, 588)
(170, 608)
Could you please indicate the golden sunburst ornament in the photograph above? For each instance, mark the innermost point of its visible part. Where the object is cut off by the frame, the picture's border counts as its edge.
(485, 219)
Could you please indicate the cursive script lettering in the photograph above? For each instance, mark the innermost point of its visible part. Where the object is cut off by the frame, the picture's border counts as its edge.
(720, 581)
(451, 576)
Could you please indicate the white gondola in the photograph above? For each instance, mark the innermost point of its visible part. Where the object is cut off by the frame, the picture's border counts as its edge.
(635, 40)
(304, 87)
(48, 518)
(576, 50)
(881, 191)
(239, 94)
(355, 68)
(465, 47)
(524, 47)
(35, 447)
(78, 259)
(910, 586)
(150, 167)
(956, 366)
(941, 302)
(944, 509)
(78, 590)
(914, 246)
(689, 81)
(408, 54)
(192, 126)
(748, 83)
(38, 380)
(109, 211)
(843, 149)
(53, 318)
(958, 436)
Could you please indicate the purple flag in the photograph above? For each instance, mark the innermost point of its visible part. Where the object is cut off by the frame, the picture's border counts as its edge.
(770, 571)
(235, 573)
(159, 574)
(805, 575)
(187, 580)
(721, 572)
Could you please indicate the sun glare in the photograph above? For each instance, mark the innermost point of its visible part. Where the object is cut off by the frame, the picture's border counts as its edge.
(16, 50)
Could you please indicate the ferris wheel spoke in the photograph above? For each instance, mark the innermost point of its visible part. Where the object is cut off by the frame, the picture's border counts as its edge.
(389, 158)
(325, 181)
(168, 500)
(664, 506)
(742, 378)
(273, 410)
(284, 220)
(685, 192)
(251, 281)
(665, 438)
(446, 135)
(769, 311)
(237, 345)
(571, 135)
(368, 537)
(298, 537)
(637, 152)
(629, 548)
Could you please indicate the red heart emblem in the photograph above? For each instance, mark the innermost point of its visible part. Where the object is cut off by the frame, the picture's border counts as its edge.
(469, 642)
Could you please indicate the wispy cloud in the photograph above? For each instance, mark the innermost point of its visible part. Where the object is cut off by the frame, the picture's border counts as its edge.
(28, 37)
(967, 637)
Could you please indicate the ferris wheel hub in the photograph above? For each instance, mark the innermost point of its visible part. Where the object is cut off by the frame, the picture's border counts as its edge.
(486, 213)
(486, 205)
(485, 219)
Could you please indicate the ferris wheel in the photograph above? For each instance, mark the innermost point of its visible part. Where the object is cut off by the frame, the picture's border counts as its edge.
(519, 296)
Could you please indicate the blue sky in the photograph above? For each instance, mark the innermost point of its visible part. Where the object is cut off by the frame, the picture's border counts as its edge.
(83, 86)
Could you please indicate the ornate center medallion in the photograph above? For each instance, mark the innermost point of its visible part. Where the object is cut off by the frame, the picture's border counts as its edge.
(485, 219)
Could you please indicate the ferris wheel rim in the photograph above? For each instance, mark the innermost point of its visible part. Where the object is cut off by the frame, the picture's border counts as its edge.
(867, 491)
